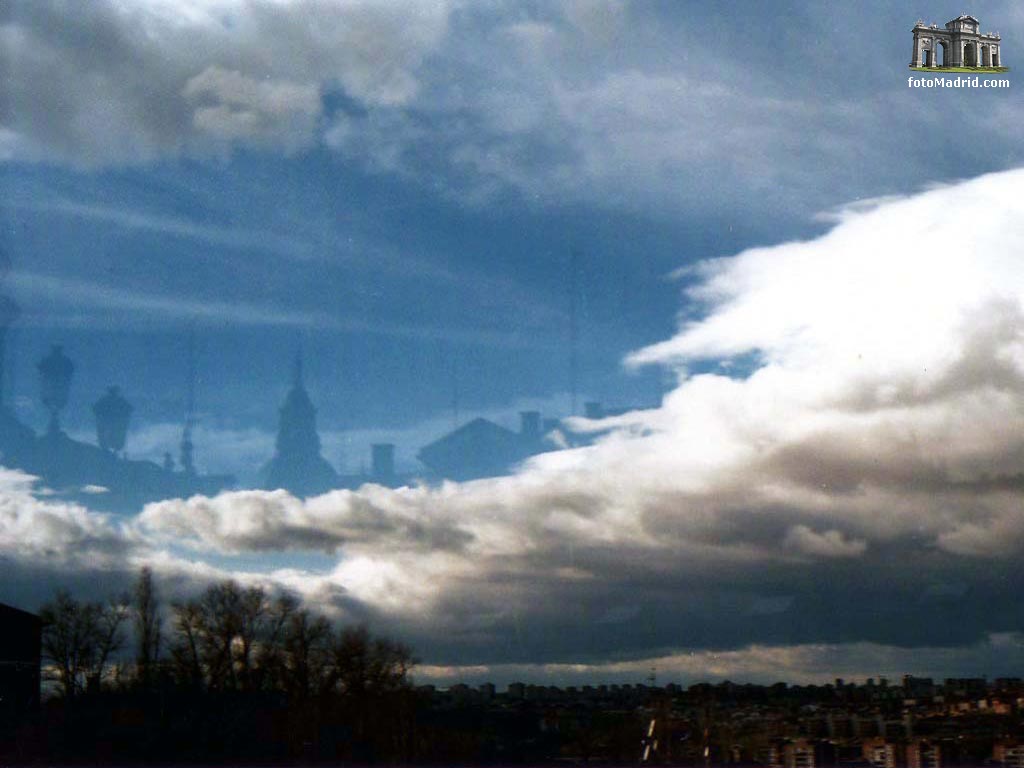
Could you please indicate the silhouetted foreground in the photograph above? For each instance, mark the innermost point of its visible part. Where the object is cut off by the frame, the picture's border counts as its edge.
(240, 676)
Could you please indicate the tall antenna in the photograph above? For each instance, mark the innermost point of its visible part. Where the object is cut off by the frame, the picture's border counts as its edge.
(8, 314)
(190, 392)
(187, 447)
(297, 375)
(9, 367)
(573, 330)
(455, 393)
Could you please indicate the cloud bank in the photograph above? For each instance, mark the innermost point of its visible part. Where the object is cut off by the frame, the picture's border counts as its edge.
(860, 488)
(593, 102)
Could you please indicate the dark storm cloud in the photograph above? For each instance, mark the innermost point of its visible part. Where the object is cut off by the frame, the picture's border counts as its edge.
(593, 102)
(122, 83)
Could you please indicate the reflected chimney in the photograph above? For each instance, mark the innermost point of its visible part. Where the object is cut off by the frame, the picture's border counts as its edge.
(529, 424)
(383, 455)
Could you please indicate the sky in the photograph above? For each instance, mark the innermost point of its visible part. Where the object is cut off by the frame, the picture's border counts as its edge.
(802, 275)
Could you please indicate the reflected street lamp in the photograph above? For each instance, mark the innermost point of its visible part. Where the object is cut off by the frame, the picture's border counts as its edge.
(55, 372)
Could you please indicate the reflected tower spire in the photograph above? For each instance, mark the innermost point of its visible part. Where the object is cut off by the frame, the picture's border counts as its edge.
(298, 465)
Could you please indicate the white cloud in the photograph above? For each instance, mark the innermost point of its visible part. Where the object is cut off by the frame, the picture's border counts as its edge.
(232, 106)
(64, 536)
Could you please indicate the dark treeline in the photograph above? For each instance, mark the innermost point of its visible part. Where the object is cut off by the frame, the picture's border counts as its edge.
(234, 674)
(240, 675)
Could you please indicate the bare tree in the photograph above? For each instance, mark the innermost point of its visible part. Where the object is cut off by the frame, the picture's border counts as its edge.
(66, 643)
(148, 626)
(306, 645)
(364, 665)
(233, 638)
(229, 637)
(79, 639)
(186, 653)
(110, 619)
(218, 625)
(253, 611)
(371, 678)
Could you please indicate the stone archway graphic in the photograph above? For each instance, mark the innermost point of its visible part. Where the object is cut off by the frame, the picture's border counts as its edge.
(960, 43)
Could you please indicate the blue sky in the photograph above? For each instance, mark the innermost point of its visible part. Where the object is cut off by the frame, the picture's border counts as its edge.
(397, 189)
(403, 195)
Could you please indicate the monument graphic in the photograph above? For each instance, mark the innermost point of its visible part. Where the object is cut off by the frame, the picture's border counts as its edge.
(960, 45)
